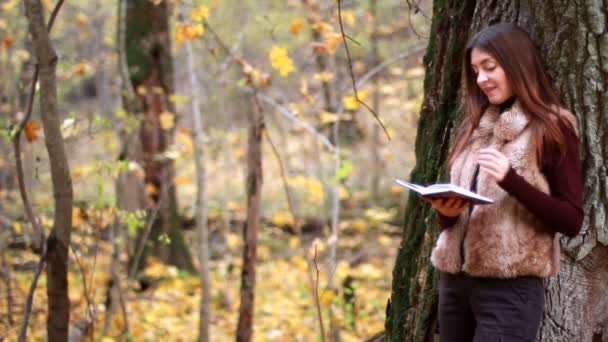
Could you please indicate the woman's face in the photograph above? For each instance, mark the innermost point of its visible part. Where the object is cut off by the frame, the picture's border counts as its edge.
(491, 77)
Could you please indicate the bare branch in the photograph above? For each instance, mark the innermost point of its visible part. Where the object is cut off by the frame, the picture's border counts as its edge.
(144, 238)
(352, 75)
(285, 185)
(317, 299)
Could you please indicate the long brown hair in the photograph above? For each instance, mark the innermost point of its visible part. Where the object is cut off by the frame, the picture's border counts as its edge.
(514, 50)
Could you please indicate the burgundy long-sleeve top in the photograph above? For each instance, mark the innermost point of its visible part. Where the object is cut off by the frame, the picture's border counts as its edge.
(562, 209)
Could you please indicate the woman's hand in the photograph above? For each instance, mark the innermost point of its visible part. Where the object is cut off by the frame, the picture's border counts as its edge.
(494, 163)
(448, 206)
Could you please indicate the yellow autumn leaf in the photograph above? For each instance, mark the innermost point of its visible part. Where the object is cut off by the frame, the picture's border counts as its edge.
(232, 240)
(348, 17)
(183, 139)
(328, 117)
(7, 6)
(167, 120)
(296, 25)
(17, 227)
(322, 26)
(151, 189)
(299, 263)
(324, 76)
(331, 41)
(351, 103)
(178, 98)
(293, 242)
(76, 217)
(82, 19)
(232, 138)
(185, 31)
(239, 152)
(263, 253)
(200, 13)
(327, 297)
(181, 180)
(141, 90)
(282, 218)
(279, 59)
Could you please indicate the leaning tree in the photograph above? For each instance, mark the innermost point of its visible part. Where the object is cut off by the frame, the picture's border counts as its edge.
(573, 40)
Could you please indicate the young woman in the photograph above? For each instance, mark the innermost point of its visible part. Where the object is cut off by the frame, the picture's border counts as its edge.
(518, 146)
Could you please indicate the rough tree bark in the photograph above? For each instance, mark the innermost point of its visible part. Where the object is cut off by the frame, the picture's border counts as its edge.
(573, 39)
(59, 239)
(148, 58)
(250, 234)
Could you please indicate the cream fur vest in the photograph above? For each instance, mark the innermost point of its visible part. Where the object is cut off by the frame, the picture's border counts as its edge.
(502, 239)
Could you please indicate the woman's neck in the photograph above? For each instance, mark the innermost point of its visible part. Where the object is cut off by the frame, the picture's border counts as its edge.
(507, 104)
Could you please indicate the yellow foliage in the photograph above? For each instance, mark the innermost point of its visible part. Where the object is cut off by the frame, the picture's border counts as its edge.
(326, 298)
(279, 59)
(186, 31)
(151, 189)
(299, 263)
(239, 152)
(233, 241)
(322, 26)
(17, 227)
(324, 76)
(82, 19)
(76, 217)
(180, 180)
(167, 120)
(232, 137)
(282, 218)
(293, 242)
(141, 90)
(351, 103)
(7, 6)
(200, 13)
(263, 253)
(377, 214)
(331, 41)
(296, 25)
(367, 271)
(158, 270)
(327, 117)
(183, 140)
(359, 224)
(348, 17)
(343, 192)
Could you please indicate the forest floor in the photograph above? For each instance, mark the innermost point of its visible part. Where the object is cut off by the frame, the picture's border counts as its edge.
(285, 309)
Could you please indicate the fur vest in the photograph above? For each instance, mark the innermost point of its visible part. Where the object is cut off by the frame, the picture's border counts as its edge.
(502, 239)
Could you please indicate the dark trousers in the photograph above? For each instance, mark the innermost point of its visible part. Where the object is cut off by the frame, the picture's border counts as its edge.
(489, 309)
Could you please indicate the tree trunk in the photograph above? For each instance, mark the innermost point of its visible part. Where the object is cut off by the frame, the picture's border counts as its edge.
(148, 58)
(250, 234)
(59, 239)
(574, 49)
(374, 146)
(201, 202)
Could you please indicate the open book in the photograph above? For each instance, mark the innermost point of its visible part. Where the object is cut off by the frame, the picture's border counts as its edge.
(445, 191)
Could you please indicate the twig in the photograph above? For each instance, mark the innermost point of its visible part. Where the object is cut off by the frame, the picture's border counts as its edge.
(144, 238)
(352, 75)
(317, 300)
(30, 295)
(90, 307)
(285, 185)
(289, 115)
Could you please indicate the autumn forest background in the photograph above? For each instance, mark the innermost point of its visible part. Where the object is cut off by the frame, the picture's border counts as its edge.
(227, 166)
